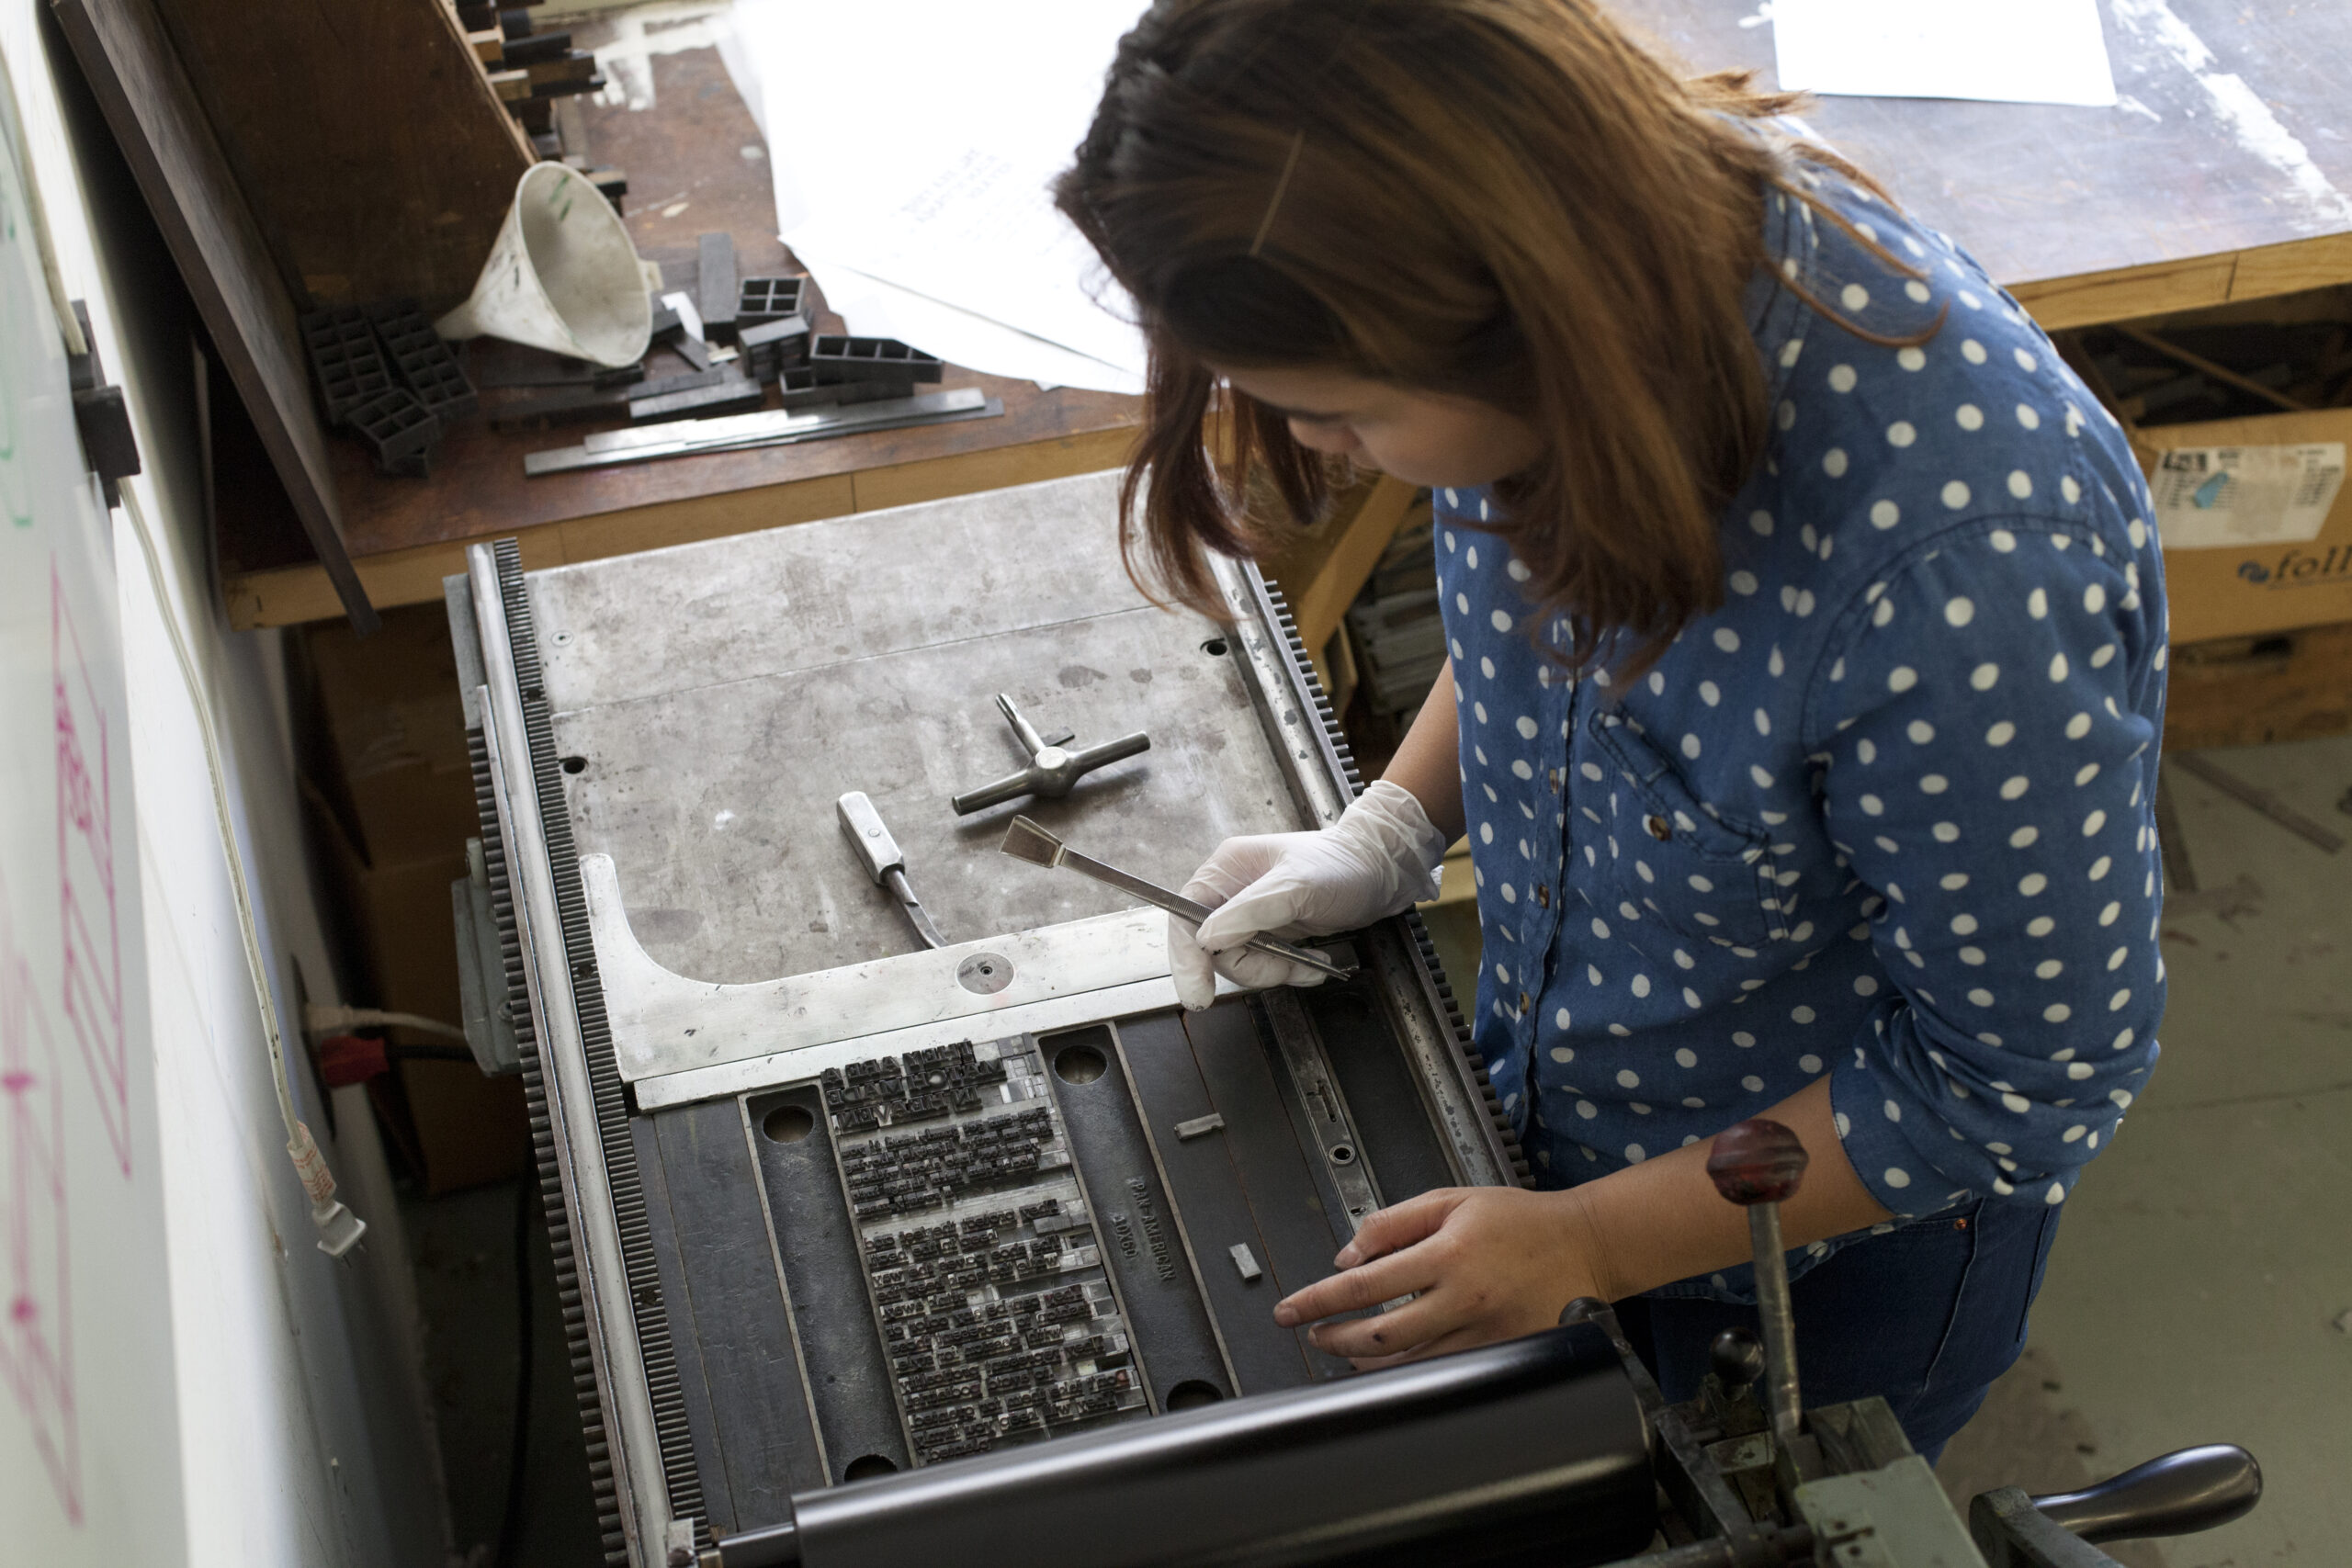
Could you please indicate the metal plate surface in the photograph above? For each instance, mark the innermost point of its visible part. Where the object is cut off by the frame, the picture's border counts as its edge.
(720, 697)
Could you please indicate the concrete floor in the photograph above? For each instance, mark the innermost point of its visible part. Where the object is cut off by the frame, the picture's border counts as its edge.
(463, 1250)
(2201, 1290)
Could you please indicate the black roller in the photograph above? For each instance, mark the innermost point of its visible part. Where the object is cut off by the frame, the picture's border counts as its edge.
(1529, 1451)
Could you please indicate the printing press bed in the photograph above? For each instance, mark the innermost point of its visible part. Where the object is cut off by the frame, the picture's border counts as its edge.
(871, 1252)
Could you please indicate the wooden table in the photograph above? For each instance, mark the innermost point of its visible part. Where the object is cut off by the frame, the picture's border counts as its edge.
(2225, 175)
(689, 173)
(2225, 172)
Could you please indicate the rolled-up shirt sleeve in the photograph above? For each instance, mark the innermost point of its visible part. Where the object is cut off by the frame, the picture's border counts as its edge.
(1984, 741)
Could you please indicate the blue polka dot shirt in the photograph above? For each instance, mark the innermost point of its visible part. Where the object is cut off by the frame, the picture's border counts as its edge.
(1887, 815)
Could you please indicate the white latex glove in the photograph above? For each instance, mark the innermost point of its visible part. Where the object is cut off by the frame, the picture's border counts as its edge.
(1380, 858)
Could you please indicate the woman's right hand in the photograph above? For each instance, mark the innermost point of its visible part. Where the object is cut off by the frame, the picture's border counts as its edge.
(1379, 858)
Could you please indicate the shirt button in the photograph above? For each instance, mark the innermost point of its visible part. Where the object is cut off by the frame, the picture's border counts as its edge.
(1557, 778)
(1543, 895)
(1525, 1002)
(1657, 828)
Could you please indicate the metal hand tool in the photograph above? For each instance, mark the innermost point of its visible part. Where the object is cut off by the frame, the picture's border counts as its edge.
(862, 824)
(1052, 770)
(1026, 840)
(1755, 1165)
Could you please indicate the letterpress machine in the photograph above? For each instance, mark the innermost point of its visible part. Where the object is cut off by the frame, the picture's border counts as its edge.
(899, 1213)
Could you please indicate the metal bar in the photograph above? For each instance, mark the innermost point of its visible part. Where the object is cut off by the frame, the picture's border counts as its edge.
(1459, 1101)
(1185, 909)
(2259, 799)
(1319, 1090)
(1031, 741)
(588, 1200)
(1780, 1324)
(769, 427)
(2205, 366)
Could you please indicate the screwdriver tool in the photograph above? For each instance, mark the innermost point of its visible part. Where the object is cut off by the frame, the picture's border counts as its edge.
(884, 861)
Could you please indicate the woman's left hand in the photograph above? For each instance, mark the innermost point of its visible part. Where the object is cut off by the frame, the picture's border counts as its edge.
(1482, 1263)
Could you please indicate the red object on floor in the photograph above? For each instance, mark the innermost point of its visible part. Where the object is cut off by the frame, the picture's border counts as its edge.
(351, 1058)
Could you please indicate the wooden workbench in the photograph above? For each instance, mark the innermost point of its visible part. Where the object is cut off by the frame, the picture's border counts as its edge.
(2167, 203)
(2180, 198)
(689, 175)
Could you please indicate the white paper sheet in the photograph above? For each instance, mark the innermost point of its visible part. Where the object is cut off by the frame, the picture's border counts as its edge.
(2046, 51)
(910, 170)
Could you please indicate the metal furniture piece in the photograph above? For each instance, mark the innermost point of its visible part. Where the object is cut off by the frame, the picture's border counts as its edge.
(968, 1254)
(1054, 769)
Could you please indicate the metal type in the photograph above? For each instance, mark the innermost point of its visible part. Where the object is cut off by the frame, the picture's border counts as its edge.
(1532, 1446)
(862, 824)
(1023, 840)
(780, 428)
(1053, 769)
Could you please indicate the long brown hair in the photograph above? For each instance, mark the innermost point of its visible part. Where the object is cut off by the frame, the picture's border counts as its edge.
(1505, 200)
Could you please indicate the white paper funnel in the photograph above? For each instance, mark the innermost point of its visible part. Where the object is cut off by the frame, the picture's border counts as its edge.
(564, 276)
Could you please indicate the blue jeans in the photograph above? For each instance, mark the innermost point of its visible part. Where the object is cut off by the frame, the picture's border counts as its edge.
(1925, 1318)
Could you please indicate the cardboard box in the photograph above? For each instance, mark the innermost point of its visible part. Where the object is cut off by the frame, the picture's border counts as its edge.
(395, 764)
(469, 1129)
(2254, 509)
(2256, 521)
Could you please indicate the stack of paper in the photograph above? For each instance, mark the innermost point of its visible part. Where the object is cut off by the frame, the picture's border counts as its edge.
(2048, 51)
(912, 142)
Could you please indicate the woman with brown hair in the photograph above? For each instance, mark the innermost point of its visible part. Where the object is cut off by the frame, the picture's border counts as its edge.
(1807, 650)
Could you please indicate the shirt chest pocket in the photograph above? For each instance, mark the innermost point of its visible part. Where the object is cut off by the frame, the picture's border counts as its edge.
(1660, 850)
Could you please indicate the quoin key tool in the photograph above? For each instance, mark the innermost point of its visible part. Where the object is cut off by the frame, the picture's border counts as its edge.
(884, 861)
(1052, 769)
(1025, 840)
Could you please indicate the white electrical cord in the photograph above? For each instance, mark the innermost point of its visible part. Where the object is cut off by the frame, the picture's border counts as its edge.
(339, 1228)
(319, 1018)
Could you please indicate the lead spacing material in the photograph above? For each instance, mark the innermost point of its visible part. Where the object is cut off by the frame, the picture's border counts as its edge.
(716, 294)
(400, 431)
(835, 358)
(772, 348)
(998, 1320)
(424, 361)
(774, 299)
(347, 360)
(723, 394)
(797, 388)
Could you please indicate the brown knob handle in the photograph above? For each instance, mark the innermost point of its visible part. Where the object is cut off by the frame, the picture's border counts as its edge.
(1759, 1161)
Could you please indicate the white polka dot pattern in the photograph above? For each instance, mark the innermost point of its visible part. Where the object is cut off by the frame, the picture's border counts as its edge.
(1886, 815)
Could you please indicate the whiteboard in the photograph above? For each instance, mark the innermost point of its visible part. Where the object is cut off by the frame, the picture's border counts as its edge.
(87, 1412)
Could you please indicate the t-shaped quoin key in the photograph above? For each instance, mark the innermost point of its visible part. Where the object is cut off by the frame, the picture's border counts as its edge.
(1757, 1165)
(1052, 770)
